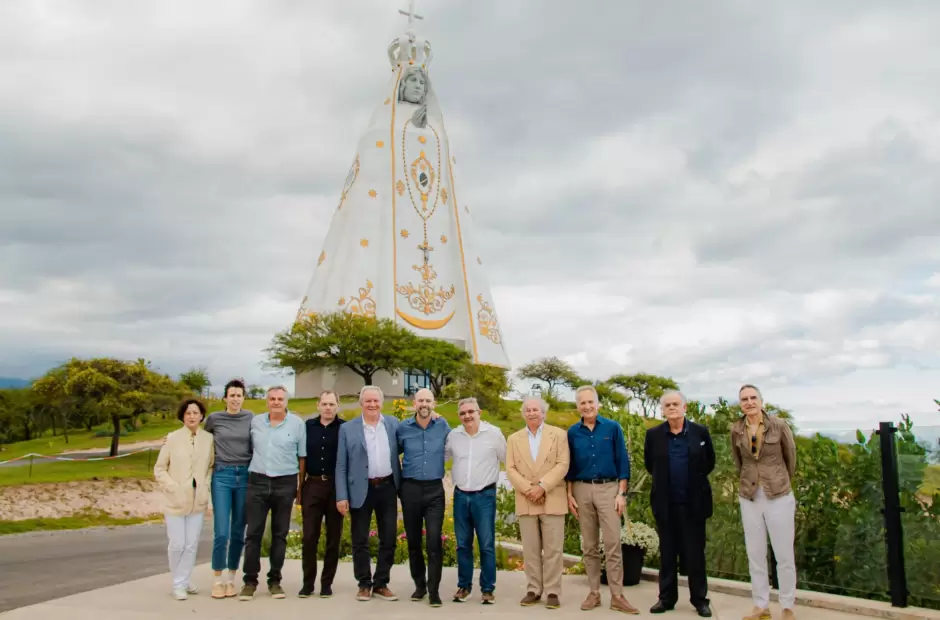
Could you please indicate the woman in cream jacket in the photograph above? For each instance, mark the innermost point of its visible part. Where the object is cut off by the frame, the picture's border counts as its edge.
(184, 472)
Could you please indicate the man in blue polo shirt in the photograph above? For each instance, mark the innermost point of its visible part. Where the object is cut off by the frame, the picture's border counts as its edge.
(421, 441)
(597, 489)
(278, 440)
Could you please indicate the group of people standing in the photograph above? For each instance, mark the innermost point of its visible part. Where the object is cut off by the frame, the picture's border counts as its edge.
(255, 465)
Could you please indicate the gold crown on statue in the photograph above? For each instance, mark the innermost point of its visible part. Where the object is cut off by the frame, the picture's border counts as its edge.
(409, 49)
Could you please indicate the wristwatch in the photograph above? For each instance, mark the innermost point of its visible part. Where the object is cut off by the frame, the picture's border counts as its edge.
(622, 493)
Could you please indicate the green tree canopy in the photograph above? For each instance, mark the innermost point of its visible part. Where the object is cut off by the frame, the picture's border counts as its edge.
(552, 371)
(443, 361)
(338, 340)
(196, 379)
(644, 388)
(488, 384)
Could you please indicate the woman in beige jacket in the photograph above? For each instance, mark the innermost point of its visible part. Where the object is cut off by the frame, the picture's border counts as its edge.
(184, 472)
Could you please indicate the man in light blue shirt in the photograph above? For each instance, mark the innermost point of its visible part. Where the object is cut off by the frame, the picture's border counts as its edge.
(421, 439)
(278, 439)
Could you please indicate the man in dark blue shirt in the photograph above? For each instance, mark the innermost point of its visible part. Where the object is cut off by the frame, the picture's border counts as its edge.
(421, 441)
(317, 495)
(597, 488)
(679, 455)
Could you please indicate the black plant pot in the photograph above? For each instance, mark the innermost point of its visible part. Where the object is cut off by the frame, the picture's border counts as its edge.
(632, 565)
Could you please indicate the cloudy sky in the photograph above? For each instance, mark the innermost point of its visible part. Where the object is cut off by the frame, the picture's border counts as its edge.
(719, 192)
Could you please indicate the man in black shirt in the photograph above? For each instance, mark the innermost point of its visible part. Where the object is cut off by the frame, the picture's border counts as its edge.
(317, 496)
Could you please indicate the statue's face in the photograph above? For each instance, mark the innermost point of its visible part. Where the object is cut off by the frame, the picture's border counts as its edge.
(415, 87)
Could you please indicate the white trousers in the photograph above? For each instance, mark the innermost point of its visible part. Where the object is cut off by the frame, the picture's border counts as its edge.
(775, 516)
(183, 533)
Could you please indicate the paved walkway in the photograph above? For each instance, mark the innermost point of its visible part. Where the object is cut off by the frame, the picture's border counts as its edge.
(150, 599)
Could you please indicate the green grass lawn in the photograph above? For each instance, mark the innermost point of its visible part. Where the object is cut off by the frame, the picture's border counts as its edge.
(931, 480)
(135, 466)
(74, 522)
(83, 440)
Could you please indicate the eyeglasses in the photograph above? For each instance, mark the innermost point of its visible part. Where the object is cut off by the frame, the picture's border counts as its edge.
(471, 412)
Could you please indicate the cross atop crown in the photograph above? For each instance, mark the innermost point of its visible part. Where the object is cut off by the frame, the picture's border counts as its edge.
(410, 49)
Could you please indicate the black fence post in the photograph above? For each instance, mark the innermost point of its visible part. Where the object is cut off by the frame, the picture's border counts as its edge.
(894, 534)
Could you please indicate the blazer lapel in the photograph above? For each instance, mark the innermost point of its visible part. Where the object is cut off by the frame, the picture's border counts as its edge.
(544, 448)
(361, 432)
(523, 449)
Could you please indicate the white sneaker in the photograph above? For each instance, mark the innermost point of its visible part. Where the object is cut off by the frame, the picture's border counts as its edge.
(192, 589)
(180, 594)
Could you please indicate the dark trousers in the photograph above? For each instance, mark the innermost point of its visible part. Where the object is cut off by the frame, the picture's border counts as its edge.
(383, 501)
(319, 500)
(681, 535)
(422, 507)
(267, 494)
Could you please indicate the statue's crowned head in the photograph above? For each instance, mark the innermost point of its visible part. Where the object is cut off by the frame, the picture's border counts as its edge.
(414, 85)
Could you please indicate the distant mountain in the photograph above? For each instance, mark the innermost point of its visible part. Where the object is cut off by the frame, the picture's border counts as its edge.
(13, 382)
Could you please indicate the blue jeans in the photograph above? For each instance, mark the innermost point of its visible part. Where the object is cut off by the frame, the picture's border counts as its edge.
(229, 492)
(475, 512)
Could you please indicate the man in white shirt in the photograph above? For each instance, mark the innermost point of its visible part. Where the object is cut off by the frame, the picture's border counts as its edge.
(477, 448)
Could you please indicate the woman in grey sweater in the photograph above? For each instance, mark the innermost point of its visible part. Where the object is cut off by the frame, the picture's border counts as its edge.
(232, 431)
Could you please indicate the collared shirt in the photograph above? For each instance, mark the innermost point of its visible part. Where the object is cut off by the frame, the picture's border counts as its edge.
(679, 464)
(322, 443)
(535, 440)
(423, 448)
(275, 448)
(380, 457)
(598, 453)
(476, 458)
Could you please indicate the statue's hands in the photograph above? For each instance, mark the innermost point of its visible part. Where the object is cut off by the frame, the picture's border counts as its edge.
(420, 117)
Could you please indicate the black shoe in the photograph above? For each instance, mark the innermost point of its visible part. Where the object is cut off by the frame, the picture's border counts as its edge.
(704, 610)
(326, 591)
(434, 600)
(662, 607)
(419, 594)
(305, 592)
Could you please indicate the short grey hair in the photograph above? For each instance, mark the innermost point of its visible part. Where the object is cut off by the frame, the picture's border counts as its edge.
(278, 388)
(541, 401)
(468, 401)
(586, 388)
(753, 387)
(670, 393)
(374, 388)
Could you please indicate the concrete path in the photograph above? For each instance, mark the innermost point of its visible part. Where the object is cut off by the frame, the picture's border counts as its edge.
(40, 566)
(150, 599)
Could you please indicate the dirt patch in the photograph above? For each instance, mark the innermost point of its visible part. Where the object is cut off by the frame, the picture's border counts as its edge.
(118, 498)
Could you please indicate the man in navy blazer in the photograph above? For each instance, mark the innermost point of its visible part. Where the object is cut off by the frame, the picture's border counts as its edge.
(368, 474)
(680, 456)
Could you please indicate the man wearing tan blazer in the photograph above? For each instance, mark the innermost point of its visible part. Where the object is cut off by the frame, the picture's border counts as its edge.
(536, 464)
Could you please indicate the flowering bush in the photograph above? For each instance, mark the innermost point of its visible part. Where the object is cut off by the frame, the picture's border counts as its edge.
(640, 535)
(400, 408)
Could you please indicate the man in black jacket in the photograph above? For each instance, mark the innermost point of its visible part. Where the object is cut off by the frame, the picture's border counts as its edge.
(680, 456)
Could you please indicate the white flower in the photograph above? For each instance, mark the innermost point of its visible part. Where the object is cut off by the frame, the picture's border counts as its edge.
(640, 535)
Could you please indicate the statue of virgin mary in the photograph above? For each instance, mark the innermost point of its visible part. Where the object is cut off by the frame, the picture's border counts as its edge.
(400, 244)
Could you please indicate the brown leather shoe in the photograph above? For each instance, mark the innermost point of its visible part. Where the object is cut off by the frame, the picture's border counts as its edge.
(530, 598)
(461, 595)
(384, 593)
(364, 594)
(758, 614)
(552, 602)
(619, 603)
(593, 600)
(488, 598)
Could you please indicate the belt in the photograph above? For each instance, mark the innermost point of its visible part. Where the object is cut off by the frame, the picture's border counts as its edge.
(488, 487)
(322, 477)
(378, 481)
(423, 482)
(598, 481)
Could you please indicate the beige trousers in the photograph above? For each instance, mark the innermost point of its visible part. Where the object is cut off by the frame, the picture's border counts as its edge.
(543, 540)
(597, 511)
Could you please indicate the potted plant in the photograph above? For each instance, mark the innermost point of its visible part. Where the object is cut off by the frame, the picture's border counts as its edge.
(636, 541)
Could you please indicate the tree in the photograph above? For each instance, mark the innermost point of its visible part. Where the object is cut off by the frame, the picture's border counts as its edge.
(338, 340)
(645, 388)
(18, 419)
(609, 398)
(255, 391)
(486, 383)
(440, 358)
(196, 379)
(552, 371)
(121, 390)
